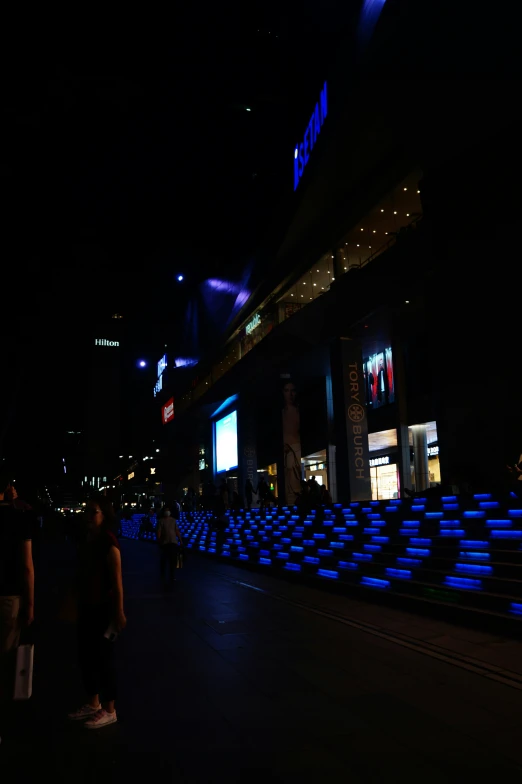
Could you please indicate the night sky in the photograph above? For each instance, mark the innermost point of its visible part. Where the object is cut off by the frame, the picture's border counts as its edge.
(130, 157)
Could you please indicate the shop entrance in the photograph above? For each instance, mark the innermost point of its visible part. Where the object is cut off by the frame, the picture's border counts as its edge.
(385, 481)
(316, 465)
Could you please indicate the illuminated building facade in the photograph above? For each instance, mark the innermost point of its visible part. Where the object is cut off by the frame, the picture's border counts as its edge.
(375, 347)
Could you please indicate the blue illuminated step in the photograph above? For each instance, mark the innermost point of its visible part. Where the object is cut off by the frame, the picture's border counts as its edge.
(474, 569)
(403, 574)
(499, 523)
(328, 573)
(503, 534)
(451, 532)
(463, 582)
(374, 582)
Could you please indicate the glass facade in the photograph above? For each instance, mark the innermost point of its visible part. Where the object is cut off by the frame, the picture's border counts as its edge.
(394, 215)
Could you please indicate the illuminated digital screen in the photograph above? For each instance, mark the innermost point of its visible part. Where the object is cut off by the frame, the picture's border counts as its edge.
(226, 442)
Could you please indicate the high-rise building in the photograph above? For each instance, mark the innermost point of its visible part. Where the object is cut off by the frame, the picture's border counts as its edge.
(102, 397)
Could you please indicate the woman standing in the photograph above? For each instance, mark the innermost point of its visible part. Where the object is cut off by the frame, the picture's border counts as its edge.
(100, 614)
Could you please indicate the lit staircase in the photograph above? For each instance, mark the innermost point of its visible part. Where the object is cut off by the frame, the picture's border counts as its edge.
(465, 552)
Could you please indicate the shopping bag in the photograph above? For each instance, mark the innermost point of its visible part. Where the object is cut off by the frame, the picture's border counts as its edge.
(23, 684)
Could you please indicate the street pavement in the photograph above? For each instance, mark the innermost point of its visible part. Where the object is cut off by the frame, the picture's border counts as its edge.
(234, 676)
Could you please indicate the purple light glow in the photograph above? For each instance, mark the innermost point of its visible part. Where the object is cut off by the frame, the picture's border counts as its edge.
(368, 19)
(223, 286)
(142, 363)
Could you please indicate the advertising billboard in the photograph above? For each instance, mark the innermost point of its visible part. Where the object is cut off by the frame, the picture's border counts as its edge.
(225, 443)
(378, 376)
(167, 411)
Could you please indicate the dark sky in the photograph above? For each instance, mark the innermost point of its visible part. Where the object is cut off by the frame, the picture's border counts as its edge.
(130, 156)
(132, 153)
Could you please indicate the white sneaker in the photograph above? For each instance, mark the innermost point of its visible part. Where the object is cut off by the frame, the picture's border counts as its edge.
(100, 719)
(85, 712)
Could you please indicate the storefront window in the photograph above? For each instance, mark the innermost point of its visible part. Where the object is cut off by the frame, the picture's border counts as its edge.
(385, 482)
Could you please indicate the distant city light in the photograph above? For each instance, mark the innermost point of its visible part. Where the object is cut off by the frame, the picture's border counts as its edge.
(179, 278)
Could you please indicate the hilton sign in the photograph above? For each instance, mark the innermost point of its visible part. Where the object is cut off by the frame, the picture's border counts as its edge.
(104, 342)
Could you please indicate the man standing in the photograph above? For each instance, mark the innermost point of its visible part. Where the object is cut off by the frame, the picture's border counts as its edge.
(16, 589)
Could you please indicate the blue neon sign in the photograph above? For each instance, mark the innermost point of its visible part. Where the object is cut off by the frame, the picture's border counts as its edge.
(302, 150)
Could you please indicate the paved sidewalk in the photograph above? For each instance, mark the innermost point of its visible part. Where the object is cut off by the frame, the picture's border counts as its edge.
(222, 683)
(492, 649)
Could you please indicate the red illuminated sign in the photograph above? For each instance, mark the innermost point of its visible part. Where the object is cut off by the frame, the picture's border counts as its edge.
(167, 411)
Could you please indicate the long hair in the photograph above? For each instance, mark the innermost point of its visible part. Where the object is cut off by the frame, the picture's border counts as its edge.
(110, 519)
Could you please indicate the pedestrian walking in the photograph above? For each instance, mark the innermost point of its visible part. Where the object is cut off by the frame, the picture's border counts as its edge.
(101, 616)
(249, 492)
(170, 542)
